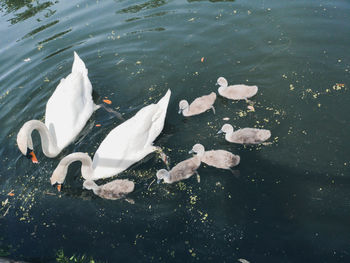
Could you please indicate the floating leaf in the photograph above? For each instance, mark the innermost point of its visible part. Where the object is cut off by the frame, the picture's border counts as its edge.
(251, 108)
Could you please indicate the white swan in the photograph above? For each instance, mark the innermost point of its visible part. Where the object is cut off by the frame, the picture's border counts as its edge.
(67, 112)
(125, 145)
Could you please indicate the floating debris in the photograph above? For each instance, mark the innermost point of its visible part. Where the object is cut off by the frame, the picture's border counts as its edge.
(338, 86)
(6, 212)
(107, 101)
(49, 193)
(250, 108)
(5, 202)
(130, 201)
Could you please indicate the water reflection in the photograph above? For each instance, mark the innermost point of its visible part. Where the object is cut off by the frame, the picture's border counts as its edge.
(213, 1)
(55, 36)
(61, 50)
(33, 8)
(147, 5)
(146, 30)
(148, 16)
(41, 28)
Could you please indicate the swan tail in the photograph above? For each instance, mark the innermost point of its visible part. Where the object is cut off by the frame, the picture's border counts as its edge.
(163, 106)
(163, 102)
(79, 65)
(158, 118)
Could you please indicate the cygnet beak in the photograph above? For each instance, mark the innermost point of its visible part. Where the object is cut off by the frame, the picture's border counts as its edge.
(219, 132)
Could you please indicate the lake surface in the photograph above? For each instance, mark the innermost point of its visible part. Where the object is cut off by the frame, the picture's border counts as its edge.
(291, 202)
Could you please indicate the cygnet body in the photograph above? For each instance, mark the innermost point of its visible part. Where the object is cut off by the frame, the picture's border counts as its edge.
(217, 158)
(198, 106)
(235, 92)
(245, 135)
(113, 190)
(181, 171)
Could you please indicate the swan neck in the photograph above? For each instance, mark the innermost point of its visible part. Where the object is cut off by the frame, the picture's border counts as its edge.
(60, 172)
(48, 143)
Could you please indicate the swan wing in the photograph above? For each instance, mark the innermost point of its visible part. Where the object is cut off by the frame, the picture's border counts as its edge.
(124, 145)
(69, 108)
(158, 119)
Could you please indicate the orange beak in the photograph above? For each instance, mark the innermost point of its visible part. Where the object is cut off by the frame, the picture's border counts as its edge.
(59, 187)
(33, 157)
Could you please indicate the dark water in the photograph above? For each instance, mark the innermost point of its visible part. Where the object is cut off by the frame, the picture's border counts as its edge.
(291, 202)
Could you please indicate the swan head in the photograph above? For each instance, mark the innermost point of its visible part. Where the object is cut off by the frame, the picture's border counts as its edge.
(25, 143)
(226, 128)
(222, 82)
(59, 175)
(183, 105)
(162, 174)
(198, 149)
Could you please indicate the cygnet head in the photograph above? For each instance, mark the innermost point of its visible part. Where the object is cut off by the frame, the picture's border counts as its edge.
(198, 149)
(222, 82)
(226, 128)
(162, 174)
(89, 184)
(183, 104)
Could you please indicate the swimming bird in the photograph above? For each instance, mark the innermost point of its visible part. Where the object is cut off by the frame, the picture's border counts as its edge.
(113, 190)
(216, 158)
(235, 92)
(198, 106)
(67, 111)
(125, 145)
(181, 171)
(245, 135)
